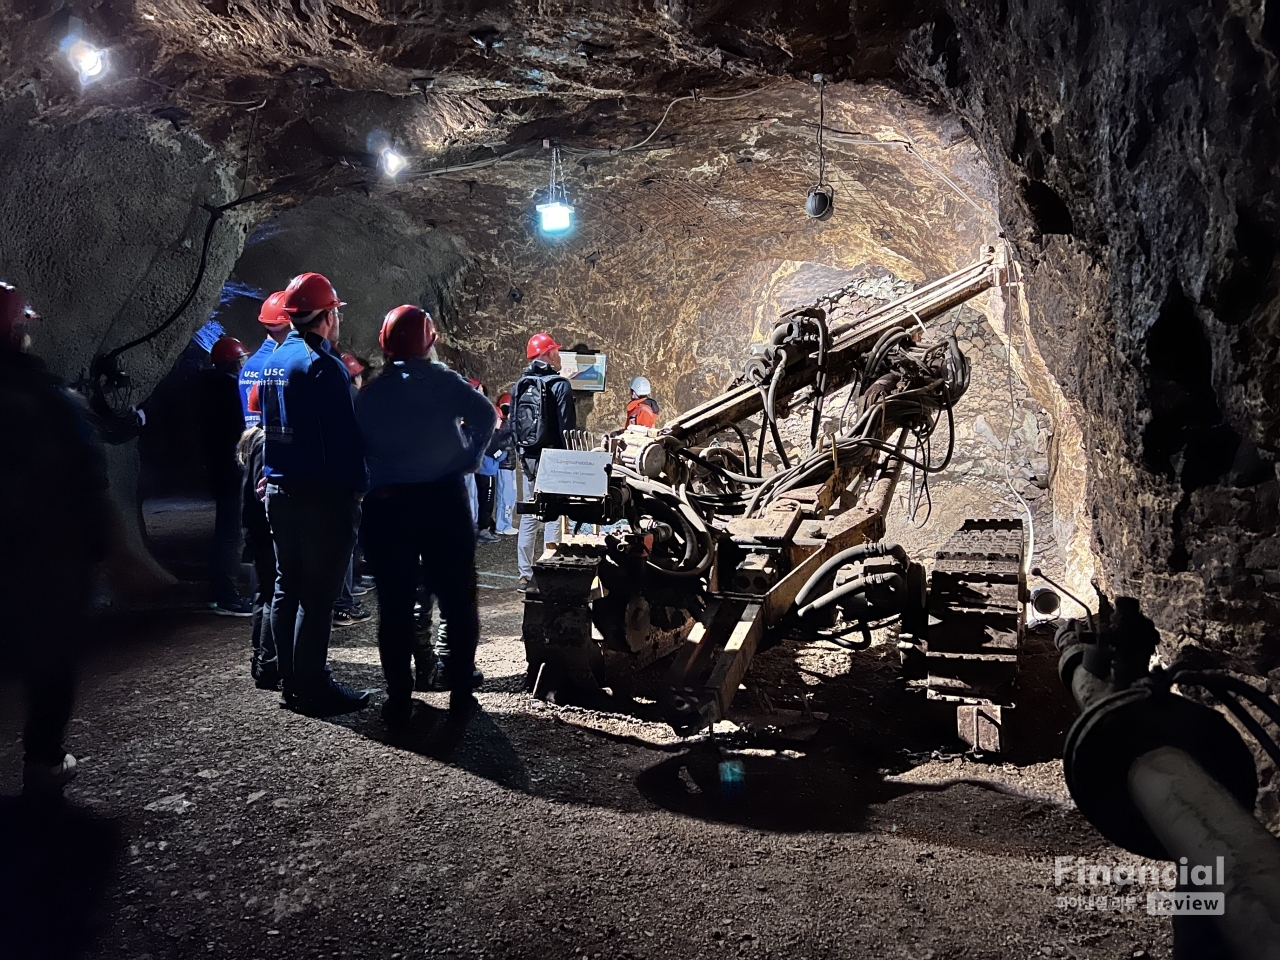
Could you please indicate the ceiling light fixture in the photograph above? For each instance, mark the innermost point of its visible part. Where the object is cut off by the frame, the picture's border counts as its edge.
(392, 162)
(820, 201)
(556, 215)
(89, 61)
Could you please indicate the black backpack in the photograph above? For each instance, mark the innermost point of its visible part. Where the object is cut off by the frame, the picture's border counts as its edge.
(532, 423)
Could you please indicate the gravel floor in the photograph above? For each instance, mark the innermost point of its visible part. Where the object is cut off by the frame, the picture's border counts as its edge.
(208, 822)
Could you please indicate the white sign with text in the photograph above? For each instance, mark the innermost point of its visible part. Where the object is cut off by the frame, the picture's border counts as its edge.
(573, 473)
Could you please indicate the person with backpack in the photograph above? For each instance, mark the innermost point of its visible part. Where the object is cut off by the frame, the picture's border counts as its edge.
(541, 411)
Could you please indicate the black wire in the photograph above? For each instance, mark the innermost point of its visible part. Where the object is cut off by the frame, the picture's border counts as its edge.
(248, 148)
(822, 157)
(742, 438)
(215, 214)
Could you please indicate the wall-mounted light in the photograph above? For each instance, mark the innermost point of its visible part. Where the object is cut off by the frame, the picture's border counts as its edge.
(392, 162)
(556, 215)
(88, 61)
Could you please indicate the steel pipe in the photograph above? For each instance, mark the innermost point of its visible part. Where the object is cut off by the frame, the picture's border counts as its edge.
(1195, 817)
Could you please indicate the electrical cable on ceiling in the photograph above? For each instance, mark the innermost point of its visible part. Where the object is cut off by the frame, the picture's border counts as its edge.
(199, 96)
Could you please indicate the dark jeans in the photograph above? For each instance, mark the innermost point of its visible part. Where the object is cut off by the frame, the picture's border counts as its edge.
(423, 531)
(257, 537)
(45, 640)
(485, 489)
(314, 526)
(224, 558)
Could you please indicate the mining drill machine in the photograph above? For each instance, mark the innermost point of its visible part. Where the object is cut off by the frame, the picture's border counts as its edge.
(699, 553)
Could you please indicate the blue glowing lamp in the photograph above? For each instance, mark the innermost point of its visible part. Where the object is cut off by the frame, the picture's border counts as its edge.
(555, 217)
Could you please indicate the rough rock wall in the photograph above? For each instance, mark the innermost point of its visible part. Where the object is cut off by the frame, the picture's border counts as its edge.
(1136, 150)
(103, 223)
(375, 255)
(102, 230)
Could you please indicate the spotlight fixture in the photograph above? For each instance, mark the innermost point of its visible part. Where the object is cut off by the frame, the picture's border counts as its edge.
(820, 201)
(89, 61)
(556, 215)
(392, 162)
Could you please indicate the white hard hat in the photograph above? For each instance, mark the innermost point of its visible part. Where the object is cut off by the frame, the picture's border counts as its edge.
(640, 386)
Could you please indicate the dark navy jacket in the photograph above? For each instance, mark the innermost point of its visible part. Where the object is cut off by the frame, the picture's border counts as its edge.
(250, 375)
(312, 435)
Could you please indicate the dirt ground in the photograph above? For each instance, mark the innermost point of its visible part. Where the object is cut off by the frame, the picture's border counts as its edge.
(209, 822)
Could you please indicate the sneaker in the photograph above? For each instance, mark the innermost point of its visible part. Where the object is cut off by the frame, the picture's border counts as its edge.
(359, 589)
(397, 713)
(522, 584)
(44, 779)
(509, 532)
(336, 700)
(349, 618)
(367, 582)
(235, 607)
(487, 536)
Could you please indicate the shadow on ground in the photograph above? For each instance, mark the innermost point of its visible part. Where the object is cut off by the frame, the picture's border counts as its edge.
(56, 862)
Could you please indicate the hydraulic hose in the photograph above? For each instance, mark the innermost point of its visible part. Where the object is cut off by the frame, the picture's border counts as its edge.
(877, 548)
(856, 585)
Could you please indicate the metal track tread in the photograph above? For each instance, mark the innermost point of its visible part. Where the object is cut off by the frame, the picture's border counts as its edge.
(976, 600)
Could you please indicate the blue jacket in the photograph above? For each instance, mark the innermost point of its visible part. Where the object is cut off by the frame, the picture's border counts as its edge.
(422, 422)
(311, 428)
(251, 374)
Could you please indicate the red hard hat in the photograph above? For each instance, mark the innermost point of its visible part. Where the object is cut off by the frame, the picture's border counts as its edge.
(475, 384)
(272, 315)
(539, 344)
(309, 294)
(407, 331)
(227, 349)
(14, 314)
(504, 397)
(355, 366)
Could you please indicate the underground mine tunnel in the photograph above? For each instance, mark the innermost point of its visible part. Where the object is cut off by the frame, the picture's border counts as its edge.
(853, 427)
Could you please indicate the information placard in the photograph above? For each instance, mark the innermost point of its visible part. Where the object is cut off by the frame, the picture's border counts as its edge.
(573, 473)
(585, 371)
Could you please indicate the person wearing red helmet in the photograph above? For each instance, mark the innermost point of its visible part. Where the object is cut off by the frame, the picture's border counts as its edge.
(541, 411)
(276, 322)
(56, 521)
(506, 494)
(220, 417)
(356, 369)
(316, 476)
(425, 428)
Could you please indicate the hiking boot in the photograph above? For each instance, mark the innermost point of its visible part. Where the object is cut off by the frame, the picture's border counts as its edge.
(265, 676)
(334, 701)
(233, 607)
(522, 584)
(462, 704)
(349, 618)
(398, 712)
(429, 677)
(47, 779)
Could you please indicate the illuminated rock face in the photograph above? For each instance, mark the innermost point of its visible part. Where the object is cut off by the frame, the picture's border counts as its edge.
(1127, 153)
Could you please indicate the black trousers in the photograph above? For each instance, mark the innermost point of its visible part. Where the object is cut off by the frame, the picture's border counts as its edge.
(485, 489)
(422, 531)
(224, 549)
(262, 550)
(314, 527)
(45, 630)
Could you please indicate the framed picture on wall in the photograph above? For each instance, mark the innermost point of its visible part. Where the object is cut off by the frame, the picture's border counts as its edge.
(585, 371)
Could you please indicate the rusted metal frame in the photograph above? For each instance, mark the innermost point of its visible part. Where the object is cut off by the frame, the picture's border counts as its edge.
(741, 647)
(926, 303)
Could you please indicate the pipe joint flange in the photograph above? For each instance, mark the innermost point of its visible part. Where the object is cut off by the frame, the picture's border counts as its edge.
(1111, 734)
